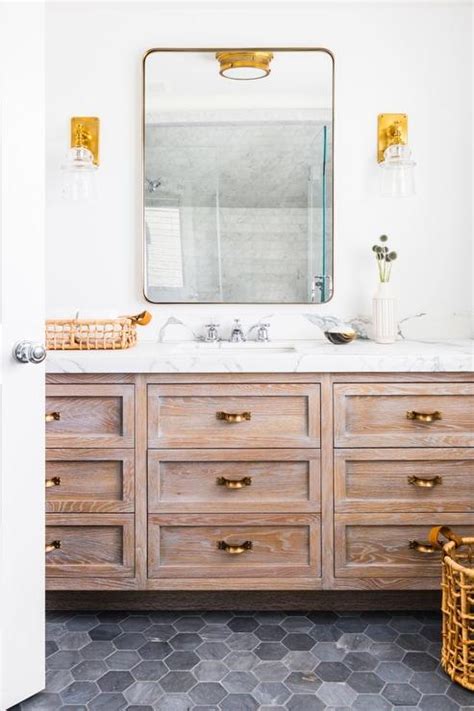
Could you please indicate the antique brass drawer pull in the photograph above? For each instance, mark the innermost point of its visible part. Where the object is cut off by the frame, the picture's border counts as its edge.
(424, 416)
(52, 416)
(425, 483)
(55, 481)
(53, 546)
(234, 483)
(426, 548)
(235, 550)
(234, 416)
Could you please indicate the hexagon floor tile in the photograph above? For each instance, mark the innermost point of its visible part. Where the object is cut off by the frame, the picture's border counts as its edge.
(369, 661)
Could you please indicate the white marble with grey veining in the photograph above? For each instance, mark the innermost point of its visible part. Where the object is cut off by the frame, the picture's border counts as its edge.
(278, 357)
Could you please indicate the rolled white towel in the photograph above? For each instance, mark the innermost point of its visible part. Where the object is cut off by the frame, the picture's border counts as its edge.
(96, 314)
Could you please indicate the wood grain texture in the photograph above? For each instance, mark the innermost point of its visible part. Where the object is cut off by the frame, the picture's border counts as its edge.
(89, 378)
(368, 480)
(376, 545)
(91, 480)
(141, 499)
(97, 545)
(411, 377)
(374, 415)
(186, 546)
(290, 514)
(182, 416)
(327, 486)
(90, 416)
(187, 480)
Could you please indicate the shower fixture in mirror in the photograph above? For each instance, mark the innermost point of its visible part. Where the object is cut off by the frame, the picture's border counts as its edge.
(238, 175)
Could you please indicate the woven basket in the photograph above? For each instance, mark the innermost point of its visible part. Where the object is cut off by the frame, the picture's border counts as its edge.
(457, 653)
(94, 335)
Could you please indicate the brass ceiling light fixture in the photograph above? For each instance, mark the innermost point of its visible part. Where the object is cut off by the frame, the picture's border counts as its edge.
(244, 65)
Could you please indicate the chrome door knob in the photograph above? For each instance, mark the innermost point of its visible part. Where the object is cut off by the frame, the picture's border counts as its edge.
(28, 352)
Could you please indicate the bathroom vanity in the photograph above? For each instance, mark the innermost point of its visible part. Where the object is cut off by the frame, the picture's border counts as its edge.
(285, 467)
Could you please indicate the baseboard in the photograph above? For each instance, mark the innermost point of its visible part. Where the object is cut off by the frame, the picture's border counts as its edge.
(337, 600)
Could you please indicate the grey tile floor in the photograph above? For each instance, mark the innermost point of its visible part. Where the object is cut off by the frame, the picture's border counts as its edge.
(171, 661)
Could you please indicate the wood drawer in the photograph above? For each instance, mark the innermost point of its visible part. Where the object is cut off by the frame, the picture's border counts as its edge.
(90, 480)
(186, 546)
(398, 480)
(90, 415)
(370, 546)
(187, 415)
(94, 545)
(375, 414)
(205, 480)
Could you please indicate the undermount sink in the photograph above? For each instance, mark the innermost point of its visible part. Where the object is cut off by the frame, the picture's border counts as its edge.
(239, 347)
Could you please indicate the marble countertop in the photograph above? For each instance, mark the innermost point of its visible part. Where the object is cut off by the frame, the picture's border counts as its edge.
(276, 357)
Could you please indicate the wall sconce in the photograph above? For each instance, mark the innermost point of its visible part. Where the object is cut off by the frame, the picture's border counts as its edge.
(394, 156)
(82, 160)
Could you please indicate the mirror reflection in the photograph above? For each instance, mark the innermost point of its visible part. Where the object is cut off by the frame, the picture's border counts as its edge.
(238, 176)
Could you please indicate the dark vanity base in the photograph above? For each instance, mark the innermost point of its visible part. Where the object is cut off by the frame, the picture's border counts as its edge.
(337, 600)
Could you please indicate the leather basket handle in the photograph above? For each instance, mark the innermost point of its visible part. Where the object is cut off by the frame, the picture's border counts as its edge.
(445, 531)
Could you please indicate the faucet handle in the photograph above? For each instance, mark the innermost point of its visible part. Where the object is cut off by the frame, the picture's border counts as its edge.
(262, 332)
(212, 335)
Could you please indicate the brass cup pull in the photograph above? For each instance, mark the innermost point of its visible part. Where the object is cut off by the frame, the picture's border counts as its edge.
(234, 483)
(425, 548)
(53, 546)
(424, 416)
(52, 417)
(235, 550)
(55, 481)
(234, 416)
(422, 483)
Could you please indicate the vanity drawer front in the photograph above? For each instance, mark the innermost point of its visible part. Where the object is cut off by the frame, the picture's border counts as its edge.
(377, 414)
(404, 480)
(95, 545)
(270, 415)
(370, 546)
(90, 416)
(200, 546)
(90, 480)
(234, 480)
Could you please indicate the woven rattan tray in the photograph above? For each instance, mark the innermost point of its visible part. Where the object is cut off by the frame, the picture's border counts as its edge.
(94, 335)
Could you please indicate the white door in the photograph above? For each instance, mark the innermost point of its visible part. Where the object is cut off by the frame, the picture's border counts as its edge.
(22, 384)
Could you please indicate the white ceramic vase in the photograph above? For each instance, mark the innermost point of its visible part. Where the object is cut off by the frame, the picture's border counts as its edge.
(384, 316)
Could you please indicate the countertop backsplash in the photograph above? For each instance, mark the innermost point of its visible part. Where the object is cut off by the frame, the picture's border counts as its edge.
(180, 322)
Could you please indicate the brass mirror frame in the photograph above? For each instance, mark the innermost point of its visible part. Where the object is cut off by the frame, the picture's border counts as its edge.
(142, 171)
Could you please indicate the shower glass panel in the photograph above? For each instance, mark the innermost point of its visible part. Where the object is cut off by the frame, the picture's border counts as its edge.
(238, 180)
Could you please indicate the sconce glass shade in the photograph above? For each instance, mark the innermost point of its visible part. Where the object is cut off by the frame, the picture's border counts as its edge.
(398, 172)
(79, 180)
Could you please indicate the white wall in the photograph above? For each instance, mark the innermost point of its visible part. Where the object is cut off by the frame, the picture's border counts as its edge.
(413, 58)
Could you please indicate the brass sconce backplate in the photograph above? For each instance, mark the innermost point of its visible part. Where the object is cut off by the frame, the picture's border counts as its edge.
(392, 128)
(85, 133)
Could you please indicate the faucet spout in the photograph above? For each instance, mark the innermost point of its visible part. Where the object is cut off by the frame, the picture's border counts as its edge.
(237, 334)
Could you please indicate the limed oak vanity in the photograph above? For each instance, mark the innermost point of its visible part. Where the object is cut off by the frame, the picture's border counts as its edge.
(321, 467)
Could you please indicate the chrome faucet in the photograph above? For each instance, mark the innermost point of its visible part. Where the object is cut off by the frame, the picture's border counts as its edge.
(237, 334)
(212, 335)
